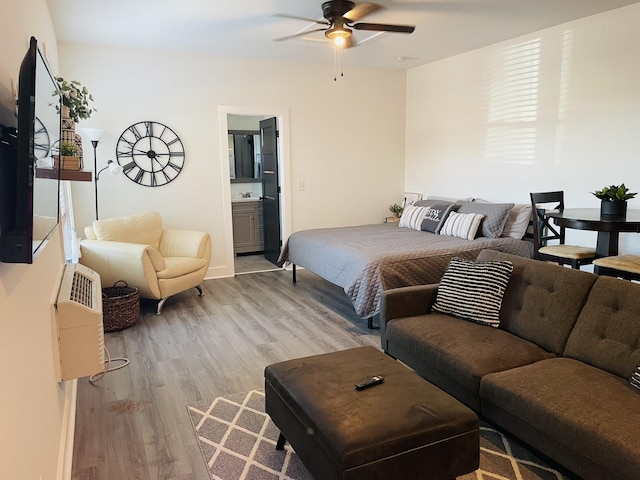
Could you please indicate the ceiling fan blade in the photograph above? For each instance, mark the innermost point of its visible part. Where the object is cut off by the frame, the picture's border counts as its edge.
(304, 19)
(361, 11)
(381, 27)
(282, 39)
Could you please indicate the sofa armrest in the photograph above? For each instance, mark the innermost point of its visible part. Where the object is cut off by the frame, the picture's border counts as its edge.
(406, 302)
(185, 243)
(134, 263)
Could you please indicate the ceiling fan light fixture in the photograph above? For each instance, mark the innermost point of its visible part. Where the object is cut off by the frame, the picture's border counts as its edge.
(338, 34)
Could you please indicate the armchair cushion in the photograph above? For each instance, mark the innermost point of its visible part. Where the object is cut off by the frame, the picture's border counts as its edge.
(144, 228)
(178, 266)
(184, 243)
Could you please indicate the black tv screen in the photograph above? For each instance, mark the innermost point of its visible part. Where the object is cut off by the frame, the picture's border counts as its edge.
(29, 206)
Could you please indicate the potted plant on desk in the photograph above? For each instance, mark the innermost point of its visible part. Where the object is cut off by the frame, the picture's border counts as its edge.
(614, 199)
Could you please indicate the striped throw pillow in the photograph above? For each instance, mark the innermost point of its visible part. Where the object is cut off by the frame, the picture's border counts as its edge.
(461, 225)
(412, 217)
(473, 291)
(635, 378)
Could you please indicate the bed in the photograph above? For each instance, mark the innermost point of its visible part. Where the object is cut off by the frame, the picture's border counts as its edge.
(366, 259)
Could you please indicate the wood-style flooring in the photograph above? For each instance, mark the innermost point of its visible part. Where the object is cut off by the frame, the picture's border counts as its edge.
(133, 423)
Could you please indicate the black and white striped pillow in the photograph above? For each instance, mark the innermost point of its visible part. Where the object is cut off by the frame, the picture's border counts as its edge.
(635, 378)
(412, 217)
(473, 291)
(461, 225)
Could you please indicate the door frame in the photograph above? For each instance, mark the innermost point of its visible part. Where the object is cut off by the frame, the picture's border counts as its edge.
(284, 173)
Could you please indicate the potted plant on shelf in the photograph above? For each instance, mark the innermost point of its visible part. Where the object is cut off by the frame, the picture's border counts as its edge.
(67, 158)
(395, 209)
(614, 199)
(75, 100)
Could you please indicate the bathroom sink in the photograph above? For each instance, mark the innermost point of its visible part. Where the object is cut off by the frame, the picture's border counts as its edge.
(249, 199)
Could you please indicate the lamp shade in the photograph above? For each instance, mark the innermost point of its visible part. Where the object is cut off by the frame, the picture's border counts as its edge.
(93, 134)
(114, 168)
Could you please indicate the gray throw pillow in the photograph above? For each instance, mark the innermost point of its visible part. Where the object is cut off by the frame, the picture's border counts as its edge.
(473, 291)
(495, 216)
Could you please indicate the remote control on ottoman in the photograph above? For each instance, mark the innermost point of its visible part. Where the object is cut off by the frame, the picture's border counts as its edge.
(392, 425)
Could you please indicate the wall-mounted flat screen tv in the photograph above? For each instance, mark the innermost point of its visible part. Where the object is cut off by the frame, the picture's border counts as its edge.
(29, 206)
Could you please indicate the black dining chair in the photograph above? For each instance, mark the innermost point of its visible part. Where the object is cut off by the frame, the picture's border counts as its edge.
(621, 266)
(545, 231)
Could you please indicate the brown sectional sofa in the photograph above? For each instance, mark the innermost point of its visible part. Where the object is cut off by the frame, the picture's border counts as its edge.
(555, 373)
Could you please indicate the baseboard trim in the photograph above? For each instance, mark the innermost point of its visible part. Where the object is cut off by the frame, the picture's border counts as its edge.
(219, 272)
(65, 453)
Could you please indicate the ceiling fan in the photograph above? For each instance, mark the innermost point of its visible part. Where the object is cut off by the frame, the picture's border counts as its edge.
(341, 16)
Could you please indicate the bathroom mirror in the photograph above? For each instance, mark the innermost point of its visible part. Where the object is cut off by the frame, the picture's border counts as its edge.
(245, 163)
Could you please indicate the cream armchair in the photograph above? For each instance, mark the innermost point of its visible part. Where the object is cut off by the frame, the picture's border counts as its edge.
(136, 249)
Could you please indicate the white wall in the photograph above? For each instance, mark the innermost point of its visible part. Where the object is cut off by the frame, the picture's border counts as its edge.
(581, 133)
(346, 137)
(32, 403)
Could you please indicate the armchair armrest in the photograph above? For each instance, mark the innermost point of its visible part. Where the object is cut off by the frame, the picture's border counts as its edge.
(406, 302)
(134, 263)
(185, 243)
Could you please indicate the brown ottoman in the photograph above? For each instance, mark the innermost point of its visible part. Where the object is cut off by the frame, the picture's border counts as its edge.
(403, 428)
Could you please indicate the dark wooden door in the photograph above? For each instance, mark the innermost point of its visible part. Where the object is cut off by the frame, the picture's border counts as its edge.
(270, 189)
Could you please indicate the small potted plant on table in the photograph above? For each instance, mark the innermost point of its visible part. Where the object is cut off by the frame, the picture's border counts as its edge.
(614, 199)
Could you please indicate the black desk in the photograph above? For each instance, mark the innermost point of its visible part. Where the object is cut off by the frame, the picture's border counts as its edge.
(607, 226)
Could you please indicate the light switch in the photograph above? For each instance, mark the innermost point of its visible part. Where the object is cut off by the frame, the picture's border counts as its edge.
(301, 186)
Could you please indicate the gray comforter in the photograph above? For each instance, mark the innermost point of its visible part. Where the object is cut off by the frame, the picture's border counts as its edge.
(367, 259)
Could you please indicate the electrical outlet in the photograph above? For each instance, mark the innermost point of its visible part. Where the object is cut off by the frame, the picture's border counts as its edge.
(301, 186)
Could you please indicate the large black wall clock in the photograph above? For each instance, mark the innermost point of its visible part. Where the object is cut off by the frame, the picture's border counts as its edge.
(150, 153)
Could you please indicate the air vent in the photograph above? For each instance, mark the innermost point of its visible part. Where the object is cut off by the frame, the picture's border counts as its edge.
(82, 290)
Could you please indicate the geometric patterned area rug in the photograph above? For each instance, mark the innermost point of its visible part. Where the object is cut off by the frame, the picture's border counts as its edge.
(237, 440)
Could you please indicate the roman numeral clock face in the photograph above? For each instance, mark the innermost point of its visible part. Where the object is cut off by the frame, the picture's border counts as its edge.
(150, 153)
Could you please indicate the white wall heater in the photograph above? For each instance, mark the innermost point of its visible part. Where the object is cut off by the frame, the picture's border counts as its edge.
(78, 321)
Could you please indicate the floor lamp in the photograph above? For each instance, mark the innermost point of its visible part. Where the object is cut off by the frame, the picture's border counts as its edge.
(95, 135)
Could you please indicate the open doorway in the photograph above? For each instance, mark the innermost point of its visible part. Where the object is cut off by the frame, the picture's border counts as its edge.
(250, 204)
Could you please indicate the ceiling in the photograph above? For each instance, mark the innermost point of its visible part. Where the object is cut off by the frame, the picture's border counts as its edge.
(247, 28)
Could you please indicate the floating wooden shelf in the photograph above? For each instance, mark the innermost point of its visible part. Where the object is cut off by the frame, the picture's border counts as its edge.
(73, 175)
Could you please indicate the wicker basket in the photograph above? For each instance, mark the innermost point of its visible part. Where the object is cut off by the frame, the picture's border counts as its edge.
(120, 306)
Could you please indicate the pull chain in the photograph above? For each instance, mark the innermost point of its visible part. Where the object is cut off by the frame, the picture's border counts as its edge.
(335, 63)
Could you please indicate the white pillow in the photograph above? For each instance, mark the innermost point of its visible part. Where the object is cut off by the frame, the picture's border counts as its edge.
(462, 225)
(412, 217)
(517, 221)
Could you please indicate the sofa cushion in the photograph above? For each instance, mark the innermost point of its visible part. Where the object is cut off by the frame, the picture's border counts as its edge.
(591, 414)
(473, 291)
(542, 300)
(144, 228)
(607, 332)
(454, 354)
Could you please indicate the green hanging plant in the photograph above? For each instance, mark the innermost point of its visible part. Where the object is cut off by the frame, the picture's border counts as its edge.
(77, 98)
